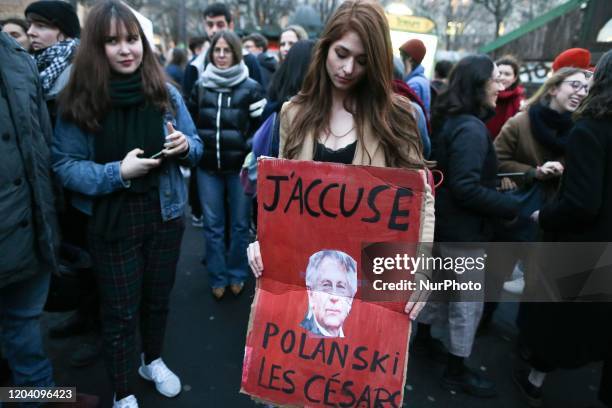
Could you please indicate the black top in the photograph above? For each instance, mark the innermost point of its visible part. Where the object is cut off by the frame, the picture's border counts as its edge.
(344, 155)
(583, 210)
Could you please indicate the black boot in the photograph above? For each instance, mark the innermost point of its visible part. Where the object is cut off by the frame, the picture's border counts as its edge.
(532, 393)
(459, 377)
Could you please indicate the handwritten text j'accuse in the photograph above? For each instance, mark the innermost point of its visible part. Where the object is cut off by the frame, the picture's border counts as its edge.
(317, 198)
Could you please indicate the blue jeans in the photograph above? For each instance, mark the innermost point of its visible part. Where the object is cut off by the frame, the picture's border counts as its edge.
(224, 267)
(21, 305)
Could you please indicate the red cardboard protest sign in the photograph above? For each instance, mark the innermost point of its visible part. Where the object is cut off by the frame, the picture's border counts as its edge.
(312, 341)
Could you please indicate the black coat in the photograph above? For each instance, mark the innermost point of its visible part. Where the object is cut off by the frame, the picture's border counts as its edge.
(226, 122)
(583, 209)
(268, 65)
(575, 333)
(467, 202)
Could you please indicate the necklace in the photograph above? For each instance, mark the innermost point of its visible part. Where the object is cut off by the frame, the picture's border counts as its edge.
(339, 136)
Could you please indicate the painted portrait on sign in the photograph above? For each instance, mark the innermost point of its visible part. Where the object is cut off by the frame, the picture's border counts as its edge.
(331, 284)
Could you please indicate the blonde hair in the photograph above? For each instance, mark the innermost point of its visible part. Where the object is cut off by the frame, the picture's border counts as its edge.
(298, 30)
(543, 93)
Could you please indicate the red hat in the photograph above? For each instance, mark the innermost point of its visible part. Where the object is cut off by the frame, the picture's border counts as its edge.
(574, 57)
(415, 49)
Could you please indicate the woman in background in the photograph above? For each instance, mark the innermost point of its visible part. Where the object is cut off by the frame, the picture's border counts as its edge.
(582, 212)
(467, 203)
(510, 100)
(227, 106)
(289, 36)
(176, 68)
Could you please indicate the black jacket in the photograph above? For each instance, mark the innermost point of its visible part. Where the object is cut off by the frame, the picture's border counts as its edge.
(268, 65)
(467, 202)
(28, 225)
(583, 209)
(226, 122)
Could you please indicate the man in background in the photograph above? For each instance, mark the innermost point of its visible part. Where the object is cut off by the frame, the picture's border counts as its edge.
(217, 17)
(257, 45)
(412, 53)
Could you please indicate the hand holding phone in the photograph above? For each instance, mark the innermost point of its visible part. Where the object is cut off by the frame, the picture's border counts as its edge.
(158, 155)
(133, 166)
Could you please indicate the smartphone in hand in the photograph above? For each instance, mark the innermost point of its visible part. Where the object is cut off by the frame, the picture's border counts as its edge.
(157, 155)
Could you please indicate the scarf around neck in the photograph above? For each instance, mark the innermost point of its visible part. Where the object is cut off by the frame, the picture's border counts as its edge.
(53, 60)
(222, 80)
(131, 123)
(550, 127)
(517, 92)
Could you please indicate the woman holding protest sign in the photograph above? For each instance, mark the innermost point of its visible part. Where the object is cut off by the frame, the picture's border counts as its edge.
(345, 112)
(120, 138)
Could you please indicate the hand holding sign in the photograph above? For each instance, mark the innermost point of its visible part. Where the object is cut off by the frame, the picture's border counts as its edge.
(176, 142)
(254, 257)
(418, 299)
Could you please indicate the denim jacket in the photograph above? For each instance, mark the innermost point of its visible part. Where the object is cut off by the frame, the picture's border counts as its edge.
(72, 154)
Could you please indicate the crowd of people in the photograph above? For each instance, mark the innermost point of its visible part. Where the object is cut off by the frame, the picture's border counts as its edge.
(98, 137)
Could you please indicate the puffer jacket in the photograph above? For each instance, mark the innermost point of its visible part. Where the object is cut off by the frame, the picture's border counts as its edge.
(226, 122)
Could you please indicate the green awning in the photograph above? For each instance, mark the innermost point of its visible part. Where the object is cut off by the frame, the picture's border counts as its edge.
(532, 25)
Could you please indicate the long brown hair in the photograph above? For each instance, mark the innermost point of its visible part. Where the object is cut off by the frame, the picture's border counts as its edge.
(372, 100)
(86, 100)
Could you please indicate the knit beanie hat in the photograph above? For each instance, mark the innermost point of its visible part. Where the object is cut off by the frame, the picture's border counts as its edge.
(415, 49)
(574, 57)
(59, 13)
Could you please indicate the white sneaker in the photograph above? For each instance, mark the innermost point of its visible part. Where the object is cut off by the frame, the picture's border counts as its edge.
(127, 402)
(515, 286)
(166, 382)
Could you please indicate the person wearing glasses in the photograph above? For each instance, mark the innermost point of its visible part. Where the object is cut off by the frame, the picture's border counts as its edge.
(331, 283)
(226, 105)
(533, 143)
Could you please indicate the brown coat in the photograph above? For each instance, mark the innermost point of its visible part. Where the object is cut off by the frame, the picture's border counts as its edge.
(370, 144)
(519, 152)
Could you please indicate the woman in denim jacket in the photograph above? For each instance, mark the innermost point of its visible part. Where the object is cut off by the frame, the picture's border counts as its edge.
(119, 141)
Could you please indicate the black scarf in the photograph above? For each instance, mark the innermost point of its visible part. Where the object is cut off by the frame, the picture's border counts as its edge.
(550, 127)
(131, 123)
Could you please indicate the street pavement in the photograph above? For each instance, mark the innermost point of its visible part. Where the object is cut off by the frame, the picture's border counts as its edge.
(204, 345)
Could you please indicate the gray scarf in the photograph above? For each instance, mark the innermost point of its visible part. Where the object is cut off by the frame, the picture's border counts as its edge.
(222, 80)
